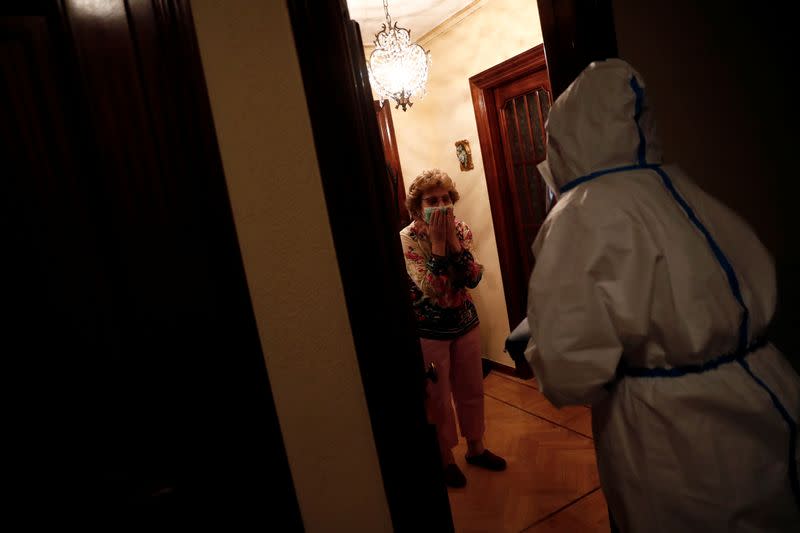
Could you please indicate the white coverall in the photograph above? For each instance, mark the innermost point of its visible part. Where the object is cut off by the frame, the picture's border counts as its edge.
(649, 300)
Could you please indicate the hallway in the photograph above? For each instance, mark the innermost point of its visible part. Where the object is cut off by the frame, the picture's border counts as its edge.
(551, 483)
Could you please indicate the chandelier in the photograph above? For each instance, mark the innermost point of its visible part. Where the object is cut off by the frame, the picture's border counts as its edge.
(398, 68)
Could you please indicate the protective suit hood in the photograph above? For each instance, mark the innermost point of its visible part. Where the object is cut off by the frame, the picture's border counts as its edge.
(606, 101)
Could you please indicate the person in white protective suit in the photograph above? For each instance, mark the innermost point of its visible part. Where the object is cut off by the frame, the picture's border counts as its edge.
(649, 301)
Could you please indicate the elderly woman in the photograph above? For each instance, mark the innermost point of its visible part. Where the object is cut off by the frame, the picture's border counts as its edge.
(437, 249)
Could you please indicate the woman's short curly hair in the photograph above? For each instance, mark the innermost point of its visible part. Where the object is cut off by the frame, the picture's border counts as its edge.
(429, 179)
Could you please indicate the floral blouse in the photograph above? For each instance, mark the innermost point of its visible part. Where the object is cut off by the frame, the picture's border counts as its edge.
(442, 304)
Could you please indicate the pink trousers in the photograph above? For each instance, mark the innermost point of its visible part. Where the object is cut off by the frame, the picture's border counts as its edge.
(458, 363)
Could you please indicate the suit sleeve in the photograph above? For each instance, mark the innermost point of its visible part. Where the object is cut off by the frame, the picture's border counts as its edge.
(589, 299)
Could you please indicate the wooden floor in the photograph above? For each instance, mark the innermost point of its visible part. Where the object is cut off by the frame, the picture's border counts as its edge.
(551, 483)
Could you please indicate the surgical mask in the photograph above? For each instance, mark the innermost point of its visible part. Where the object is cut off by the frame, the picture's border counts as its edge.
(428, 212)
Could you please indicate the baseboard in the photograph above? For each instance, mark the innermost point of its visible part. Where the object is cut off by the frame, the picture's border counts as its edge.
(491, 364)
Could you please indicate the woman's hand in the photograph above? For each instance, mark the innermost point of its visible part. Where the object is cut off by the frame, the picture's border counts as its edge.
(438, 232)
(453, 242)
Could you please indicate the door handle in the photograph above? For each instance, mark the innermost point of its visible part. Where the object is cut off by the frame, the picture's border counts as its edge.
(431, 373)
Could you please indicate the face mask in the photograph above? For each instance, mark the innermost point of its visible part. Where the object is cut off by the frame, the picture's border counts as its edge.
(429, 211)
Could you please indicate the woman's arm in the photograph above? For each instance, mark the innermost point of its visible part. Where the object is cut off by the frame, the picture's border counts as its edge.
(431, 275)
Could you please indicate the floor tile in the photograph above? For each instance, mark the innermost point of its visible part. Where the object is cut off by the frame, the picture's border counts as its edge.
(548, 467)
(577, 418)
(588, 515)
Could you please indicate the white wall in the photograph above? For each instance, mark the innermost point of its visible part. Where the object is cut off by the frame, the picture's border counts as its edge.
(264, 134)
(496, 31)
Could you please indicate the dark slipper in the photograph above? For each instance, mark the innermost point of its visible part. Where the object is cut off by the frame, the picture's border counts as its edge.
(487, 460)
(454, 477)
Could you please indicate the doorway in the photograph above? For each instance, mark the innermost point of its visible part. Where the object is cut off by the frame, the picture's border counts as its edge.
(519, 424)
(429, 134)
(345, 130)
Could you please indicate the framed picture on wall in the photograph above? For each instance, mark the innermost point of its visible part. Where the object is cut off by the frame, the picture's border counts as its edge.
(464, 154)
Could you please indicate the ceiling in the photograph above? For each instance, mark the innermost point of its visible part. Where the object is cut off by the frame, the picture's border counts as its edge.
(419, 16)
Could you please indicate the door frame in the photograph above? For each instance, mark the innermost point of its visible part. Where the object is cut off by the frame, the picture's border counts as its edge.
(507, 234)
(393, 169)
(347, 142)
(363, 220)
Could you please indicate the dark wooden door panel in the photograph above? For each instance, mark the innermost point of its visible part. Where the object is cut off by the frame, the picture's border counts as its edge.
(140, 376)
(54, 289)
(393, 169)
(522, 107)
(525, 84)
(575, 33)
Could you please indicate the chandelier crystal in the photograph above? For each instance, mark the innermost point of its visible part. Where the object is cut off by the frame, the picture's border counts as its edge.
(398, 68)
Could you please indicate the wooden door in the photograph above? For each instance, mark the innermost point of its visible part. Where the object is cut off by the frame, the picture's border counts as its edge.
(522, 107)
(393, 171)
(512, 101)
(139, 376)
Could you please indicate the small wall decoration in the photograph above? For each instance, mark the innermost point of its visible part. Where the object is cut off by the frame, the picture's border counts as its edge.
(464, 155)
